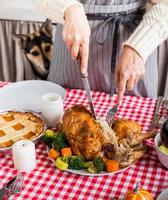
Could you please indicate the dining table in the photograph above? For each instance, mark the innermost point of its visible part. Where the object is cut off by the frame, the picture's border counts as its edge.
(49, 183)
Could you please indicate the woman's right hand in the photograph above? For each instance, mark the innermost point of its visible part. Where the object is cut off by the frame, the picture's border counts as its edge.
(76, 33)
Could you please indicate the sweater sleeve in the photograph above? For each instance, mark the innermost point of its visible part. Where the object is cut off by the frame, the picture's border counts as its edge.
(54, 9)
(152, 30)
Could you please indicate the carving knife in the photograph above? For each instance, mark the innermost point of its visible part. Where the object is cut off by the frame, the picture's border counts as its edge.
(156, 114)
(87, 88)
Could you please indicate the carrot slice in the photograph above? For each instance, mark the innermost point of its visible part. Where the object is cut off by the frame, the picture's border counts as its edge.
(111, 165)
(66, 151)
(54, 154)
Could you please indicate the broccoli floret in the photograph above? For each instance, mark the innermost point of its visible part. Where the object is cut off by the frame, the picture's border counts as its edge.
(48, 137)
(88, 164)
(99, 164)
(95, 166)
(90, 167)
(60, 141)
(92, 170)
(75, 162)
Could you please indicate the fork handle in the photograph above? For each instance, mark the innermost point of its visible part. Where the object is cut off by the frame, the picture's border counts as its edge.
(3, 191)
(159, 102)
(111, 121)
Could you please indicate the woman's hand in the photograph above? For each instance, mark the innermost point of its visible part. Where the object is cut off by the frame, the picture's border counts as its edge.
(76, 33)
(130, 68)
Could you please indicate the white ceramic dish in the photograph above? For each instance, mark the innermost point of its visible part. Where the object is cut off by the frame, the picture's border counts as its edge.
(163, 195)
(35, 140)
(163, 157)
(83, 172)
(27, 94)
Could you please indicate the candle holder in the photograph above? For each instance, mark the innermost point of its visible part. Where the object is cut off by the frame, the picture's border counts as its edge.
(24, 155)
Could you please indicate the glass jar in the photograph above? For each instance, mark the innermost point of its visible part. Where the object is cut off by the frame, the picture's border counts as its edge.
(52, 109)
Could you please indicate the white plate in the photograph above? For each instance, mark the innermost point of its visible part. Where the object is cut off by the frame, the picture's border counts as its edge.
(83, 172)
(27, 94)
(163, 195)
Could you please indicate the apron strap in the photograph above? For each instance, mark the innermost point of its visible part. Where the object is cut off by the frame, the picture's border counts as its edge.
(111, 24)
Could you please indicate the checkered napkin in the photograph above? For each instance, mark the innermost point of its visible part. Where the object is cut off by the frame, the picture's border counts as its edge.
(48, 183)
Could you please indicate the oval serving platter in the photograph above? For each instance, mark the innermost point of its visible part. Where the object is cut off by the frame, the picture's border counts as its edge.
(27, 94)
(85, 173)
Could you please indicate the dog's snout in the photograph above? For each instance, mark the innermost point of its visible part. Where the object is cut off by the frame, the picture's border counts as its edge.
(47, 65)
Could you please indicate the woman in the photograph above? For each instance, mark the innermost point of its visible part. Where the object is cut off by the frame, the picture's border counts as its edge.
(113, 23)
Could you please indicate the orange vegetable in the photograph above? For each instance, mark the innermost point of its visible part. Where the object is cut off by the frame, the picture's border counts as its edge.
(54, 154)
(138, 194)
(66, 151)
(111, 165)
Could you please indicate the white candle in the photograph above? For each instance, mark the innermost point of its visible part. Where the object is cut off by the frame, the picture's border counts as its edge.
(24, 155)
(52, 108)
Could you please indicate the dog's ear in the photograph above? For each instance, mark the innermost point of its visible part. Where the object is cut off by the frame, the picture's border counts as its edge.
(20, 39)
(47, 27)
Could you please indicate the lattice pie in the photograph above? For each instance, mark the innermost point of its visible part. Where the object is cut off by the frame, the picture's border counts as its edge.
(19, 125)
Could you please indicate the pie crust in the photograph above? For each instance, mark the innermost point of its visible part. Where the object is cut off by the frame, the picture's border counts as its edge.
(15, 125)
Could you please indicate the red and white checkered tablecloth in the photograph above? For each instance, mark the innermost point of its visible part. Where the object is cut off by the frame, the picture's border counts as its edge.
(46, 182)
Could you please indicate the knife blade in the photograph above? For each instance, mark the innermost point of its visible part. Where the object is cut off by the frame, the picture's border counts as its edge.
(87, 88)
(88, 94)
(4, 190)
(155, 119)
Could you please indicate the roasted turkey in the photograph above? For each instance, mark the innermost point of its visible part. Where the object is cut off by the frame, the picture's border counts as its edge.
(87, 136)
(130, 131)
(125, 126)
(91, 138)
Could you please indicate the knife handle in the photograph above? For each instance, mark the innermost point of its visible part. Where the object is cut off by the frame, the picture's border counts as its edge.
(79, 62)
(159, 102)
(84, 75)
(3, 191)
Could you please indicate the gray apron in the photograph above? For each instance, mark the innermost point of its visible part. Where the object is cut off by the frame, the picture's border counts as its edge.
(111, 22)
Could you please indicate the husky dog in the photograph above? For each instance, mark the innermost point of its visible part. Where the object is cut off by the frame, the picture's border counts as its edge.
(38, 48)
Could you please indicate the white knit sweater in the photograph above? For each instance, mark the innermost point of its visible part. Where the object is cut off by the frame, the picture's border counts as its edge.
(151, 32)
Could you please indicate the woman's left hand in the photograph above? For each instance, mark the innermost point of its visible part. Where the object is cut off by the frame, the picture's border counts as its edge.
(130, 68)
